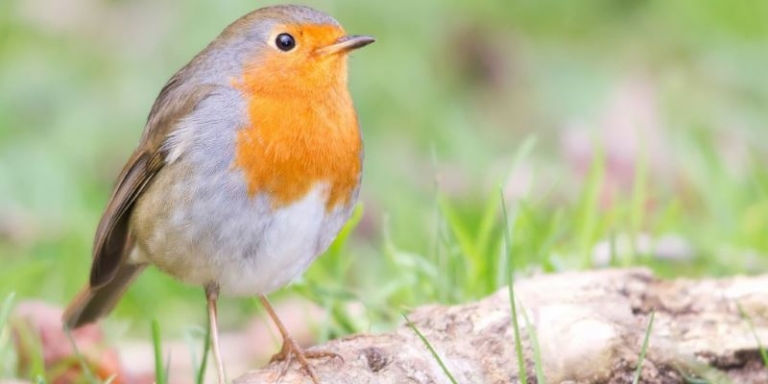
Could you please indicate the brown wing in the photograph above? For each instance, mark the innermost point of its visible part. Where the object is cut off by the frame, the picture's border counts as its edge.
(174, 102)
(112, 232)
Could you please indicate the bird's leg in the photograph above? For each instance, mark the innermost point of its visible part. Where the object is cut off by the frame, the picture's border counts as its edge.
(212, 293)
(290, 347)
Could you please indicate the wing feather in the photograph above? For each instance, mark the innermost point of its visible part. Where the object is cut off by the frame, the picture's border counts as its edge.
(174, 103)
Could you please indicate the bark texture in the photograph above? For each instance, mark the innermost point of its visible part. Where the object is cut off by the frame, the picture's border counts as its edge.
(590, 328)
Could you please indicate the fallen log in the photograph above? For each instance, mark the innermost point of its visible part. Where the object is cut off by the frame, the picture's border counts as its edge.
(587, 327)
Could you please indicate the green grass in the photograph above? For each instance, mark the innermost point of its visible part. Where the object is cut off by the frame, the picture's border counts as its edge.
(454, 99)
(536, 349)
(200, 375)
(7, 357)
(194, 338)
(161, 370)
(87, 374)
(643, 350)
(760, 347)
(431, 349)
(28, 340)
(521, 363)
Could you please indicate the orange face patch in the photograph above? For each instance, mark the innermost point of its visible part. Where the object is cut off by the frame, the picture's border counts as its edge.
(303, 128)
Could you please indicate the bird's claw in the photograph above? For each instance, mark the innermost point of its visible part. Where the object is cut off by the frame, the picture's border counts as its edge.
(291, 350)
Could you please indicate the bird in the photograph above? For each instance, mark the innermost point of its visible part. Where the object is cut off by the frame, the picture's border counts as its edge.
(249, 165)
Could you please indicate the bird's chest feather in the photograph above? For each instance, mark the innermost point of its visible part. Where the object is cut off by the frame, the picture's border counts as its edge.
(294, 144)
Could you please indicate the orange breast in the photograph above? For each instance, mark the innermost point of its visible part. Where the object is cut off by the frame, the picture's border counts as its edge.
(299, 136)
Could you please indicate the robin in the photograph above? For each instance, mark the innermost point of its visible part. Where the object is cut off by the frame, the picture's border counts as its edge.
(248, 167)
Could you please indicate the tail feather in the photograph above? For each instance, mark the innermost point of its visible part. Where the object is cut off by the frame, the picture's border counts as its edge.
(93, 303)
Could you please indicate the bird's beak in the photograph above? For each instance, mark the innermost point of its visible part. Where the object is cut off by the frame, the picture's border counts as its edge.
(347, 43)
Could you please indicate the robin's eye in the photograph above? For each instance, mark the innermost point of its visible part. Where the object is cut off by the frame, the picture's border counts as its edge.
(285, 42)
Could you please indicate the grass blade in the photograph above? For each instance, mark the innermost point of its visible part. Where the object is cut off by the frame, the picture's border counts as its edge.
(523, 374)
(160, 376)
(639, 197)
(84, 367)
(760, 347)
(200, 375)
(643, 350)
(459, 229)
(5, 310)
(531, 330)
(30, 342)
(167, 369)
(431, 350)
(588, 215)
(6, 368)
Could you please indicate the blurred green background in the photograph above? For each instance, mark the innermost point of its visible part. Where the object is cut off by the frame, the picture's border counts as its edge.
(626, 125)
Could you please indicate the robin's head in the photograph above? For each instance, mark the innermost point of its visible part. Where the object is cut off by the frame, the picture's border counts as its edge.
(290, 48)
(301, 129)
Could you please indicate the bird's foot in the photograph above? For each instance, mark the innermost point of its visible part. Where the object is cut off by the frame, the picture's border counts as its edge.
(291, 350)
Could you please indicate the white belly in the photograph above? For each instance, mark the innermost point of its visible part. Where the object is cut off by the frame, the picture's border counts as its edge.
(296, 235)
(215, 233)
